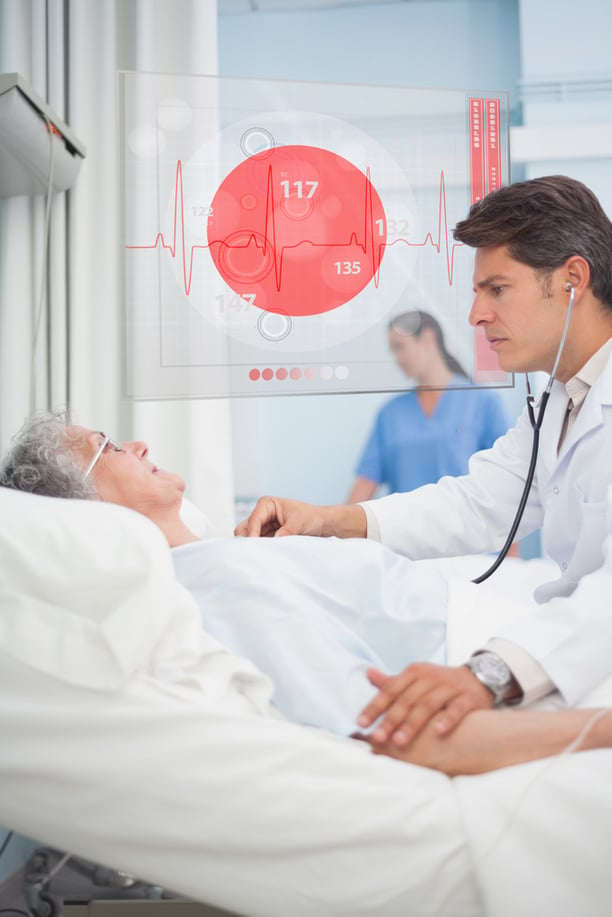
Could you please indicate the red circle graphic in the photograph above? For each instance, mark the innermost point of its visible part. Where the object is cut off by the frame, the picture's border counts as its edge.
(297, 230)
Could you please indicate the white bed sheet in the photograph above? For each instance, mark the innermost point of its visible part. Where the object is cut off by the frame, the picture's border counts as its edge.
(538, 832)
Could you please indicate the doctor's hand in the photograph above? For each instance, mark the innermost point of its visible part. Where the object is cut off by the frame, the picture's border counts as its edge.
(423, 693)
(277, 516)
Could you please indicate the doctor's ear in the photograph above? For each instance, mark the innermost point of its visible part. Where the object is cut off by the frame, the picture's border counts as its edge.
(575, 274)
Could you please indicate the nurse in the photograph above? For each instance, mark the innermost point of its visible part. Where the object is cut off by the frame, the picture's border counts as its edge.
(422, 435)
(540, 245)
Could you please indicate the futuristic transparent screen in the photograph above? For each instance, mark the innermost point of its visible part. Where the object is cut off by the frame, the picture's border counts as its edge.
(272, 230)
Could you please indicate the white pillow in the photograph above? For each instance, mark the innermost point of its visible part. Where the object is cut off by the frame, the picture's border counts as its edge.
(86, 588)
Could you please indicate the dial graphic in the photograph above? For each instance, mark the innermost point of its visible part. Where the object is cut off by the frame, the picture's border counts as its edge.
(291, 247)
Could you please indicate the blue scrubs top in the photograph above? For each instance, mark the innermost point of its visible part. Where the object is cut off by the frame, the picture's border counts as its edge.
(407, 449)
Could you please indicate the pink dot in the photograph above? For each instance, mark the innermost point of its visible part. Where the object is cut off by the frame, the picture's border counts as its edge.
(295, 373)
(310, 372)
(254, 375)
(267, 374)
(281, 373)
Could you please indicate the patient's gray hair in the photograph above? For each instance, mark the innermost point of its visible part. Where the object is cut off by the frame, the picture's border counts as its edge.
(41, 459)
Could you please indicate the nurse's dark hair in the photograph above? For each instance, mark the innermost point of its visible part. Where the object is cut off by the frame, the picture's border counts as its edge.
(543, 222)
(42, 460)
(414, 323)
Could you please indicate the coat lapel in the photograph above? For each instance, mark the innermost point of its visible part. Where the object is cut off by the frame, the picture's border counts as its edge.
(591, 413)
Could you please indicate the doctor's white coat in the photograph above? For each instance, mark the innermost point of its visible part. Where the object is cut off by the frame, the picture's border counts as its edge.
(570, 633)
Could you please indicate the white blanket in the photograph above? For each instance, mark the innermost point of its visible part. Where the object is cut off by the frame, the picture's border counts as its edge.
(314, 613)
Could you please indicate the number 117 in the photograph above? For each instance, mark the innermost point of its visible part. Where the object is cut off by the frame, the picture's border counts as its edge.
(299, 185)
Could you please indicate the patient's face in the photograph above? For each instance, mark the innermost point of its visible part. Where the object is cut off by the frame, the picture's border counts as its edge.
(128, 478)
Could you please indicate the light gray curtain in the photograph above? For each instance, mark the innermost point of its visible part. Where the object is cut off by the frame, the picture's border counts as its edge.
(70, 52)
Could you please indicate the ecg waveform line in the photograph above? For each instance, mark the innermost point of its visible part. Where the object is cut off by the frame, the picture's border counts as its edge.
(179, 205)
(449, 249)
(187, 252)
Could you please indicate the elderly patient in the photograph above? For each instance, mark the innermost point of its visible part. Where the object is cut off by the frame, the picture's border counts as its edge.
(314, 615)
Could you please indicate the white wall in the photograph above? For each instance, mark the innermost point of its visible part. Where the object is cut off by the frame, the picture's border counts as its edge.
(567, 90)
(422, 43)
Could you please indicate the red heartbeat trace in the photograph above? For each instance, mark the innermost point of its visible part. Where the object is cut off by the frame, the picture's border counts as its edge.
(368, 234)
(187, 260)
(449, 248)
(179, 204)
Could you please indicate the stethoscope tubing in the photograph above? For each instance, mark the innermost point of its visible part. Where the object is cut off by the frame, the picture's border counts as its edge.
(536, 425)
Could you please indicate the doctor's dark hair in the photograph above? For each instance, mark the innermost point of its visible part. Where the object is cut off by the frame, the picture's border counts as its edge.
(543, 222)
(41, 459)
(414, 323)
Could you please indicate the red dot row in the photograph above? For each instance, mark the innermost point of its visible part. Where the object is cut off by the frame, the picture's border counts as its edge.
(281, 373)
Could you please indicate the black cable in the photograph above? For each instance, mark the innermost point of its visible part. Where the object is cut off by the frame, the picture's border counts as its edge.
(5, 844)
(14, 910)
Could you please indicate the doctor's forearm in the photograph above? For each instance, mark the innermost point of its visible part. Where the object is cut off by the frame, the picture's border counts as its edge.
(344, 521)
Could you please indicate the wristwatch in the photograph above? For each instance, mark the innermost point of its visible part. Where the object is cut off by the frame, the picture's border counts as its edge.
(493, 673)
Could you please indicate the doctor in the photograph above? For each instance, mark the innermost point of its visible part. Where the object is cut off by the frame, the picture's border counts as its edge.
(542, 247)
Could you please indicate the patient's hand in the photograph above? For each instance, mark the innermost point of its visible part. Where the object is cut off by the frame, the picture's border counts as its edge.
(486, 740)
(420, 695)
(478, 744)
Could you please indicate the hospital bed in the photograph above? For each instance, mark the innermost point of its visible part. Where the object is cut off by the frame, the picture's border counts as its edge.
(56, 884)
(132, 739)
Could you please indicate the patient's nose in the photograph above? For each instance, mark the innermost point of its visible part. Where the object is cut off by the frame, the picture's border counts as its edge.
(137, 447)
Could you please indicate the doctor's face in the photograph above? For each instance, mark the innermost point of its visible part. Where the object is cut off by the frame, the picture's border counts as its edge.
(127, 477)
(521, 314)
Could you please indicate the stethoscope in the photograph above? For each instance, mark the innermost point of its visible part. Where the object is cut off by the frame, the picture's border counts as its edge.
(536, 425)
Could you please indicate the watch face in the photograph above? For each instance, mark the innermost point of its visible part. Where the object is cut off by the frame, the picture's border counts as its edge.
(495, 668)
(492, 670)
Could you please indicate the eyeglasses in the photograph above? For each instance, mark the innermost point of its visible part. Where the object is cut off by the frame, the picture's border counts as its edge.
(106, 441)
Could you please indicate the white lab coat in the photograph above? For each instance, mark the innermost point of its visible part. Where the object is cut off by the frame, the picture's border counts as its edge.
(570, 634)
